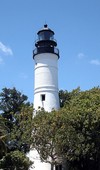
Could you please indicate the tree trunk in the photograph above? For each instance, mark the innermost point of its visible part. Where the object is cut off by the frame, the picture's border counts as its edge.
(52, 167)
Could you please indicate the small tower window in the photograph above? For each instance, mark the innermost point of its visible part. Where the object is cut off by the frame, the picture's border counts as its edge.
(58, 167)
(43, 97)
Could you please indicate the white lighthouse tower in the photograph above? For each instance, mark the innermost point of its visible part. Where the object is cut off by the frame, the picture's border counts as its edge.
(46, 57)
(46, 96)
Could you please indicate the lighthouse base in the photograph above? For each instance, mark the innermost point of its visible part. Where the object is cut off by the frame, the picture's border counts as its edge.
(37, 164)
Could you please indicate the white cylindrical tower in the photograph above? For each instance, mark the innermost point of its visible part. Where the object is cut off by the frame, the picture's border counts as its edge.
(46, 96)
(46, 57)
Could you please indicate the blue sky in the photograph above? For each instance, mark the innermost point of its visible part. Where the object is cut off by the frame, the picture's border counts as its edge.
(76, 24)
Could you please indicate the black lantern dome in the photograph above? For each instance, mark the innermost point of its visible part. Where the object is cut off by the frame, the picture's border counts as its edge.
(45, 42)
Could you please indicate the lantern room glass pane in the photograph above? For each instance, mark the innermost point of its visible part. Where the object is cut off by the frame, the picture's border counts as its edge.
(46, 35)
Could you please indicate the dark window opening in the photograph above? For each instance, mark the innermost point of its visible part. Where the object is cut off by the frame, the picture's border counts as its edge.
(58, 167)
(46, 35)
(43, 97)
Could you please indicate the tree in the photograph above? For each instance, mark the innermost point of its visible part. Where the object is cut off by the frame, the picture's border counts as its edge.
(66, 96)
(44, 131)
(11, 101)
(19, 141)
(3, 136)
(15, 160)
(83, 146)
(74, 131)
(17, 113)
(20, 137)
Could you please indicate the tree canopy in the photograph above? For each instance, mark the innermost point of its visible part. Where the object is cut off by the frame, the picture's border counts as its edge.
(15, 160)
(72, 133)
(15, 134)
(3, 137)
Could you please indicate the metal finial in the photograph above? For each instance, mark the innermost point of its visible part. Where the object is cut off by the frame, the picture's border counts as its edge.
(45, 26)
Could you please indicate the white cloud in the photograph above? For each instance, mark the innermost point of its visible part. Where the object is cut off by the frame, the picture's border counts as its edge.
(6, 50)
(95, 62)
(81, 55)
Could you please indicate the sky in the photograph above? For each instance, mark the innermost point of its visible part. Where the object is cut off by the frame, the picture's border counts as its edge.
(76, 24)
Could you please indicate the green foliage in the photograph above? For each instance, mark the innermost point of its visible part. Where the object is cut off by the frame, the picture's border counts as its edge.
(83, 149)
(66, 96)
(3, 137)
(16, 116)
(44, 131)
(20, 137)
(15, 160)
(11, 100)
(73, 132)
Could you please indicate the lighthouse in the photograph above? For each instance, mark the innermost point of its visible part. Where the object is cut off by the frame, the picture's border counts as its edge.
(46, 96)
(46, 57)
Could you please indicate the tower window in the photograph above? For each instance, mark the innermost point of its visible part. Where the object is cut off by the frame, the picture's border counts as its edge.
(58, 167)
(43, 97)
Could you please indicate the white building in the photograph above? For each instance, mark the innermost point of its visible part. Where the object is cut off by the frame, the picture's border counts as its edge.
(46, 96)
